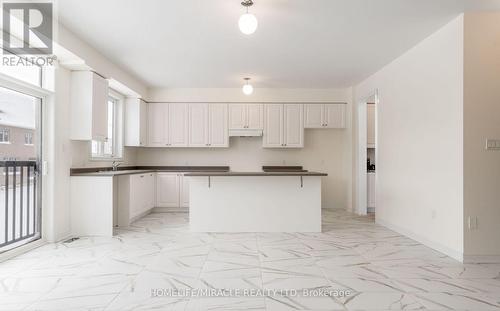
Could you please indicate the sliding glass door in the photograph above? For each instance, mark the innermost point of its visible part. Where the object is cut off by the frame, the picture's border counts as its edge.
(20, 155)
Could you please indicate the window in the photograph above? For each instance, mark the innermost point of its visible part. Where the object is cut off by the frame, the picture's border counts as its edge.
(111, 148)
(28, 139)
(21, 68)
(4, 135)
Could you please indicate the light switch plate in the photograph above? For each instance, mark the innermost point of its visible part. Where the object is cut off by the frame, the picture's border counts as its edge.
(492, 144)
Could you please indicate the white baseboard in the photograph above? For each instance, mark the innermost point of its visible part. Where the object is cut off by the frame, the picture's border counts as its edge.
(170, 210)
(21, 249)
(482, 259)
(436, 246)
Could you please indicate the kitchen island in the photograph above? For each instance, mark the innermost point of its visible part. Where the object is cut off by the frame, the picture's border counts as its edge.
(273, 201)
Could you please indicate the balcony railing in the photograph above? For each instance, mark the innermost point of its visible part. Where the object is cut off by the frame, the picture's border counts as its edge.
(19, 214)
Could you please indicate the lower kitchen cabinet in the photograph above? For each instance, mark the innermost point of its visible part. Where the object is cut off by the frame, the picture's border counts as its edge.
(136, 196)
(172, 190)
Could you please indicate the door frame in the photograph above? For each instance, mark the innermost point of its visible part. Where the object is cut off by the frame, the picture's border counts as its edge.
(361, 187)
(43, 95)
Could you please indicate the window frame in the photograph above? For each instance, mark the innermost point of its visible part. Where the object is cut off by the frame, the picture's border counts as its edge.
(117, 135)
(4, 130)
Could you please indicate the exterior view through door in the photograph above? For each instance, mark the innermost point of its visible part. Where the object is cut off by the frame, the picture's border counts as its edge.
(20, 149)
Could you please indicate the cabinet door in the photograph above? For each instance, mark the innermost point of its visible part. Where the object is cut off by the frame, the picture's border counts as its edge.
(99, 108)
(150, 191)
(237, 116)
(335, 116)
(136, 201)
(294, 126)
(255, 116)
(314, 115)
(167, 190)
(273, 126)
(218, 133)
(178, 125)
(158, 129)
(370, 126)
(198, 125)
(184, 182)
(143, 123)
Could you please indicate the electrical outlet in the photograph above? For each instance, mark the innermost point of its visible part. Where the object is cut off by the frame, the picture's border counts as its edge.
(492, 144)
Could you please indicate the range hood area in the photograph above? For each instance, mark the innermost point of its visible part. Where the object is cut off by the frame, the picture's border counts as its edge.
(245, 133)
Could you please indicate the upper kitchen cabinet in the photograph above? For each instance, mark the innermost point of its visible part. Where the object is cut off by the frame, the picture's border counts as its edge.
(136, 122)
(246, 116)
(208, 125)
(168, 125)
(89, 109)
(283, 126)
(370, 126)
(325, 116)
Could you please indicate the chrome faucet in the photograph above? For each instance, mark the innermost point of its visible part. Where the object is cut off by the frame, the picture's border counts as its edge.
(115, 165)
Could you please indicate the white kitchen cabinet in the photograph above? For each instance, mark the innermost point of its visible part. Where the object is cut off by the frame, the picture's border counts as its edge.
(167, 190)
(177, 125)
(157, 125)
(325, 116)
(283, 126)
(371, 190)
(184, 192)
(198, 125)
(168, 125)
(136, 122)
(172, 190)
(136, 196)
(208, 125)
(246, 116)
(370, 126)
(89, 106)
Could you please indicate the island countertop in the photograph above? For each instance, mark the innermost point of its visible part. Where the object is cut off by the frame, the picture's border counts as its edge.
(130, 170)
(216, 174)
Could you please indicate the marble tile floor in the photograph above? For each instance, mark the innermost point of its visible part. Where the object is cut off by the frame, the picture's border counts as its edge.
(353, 264)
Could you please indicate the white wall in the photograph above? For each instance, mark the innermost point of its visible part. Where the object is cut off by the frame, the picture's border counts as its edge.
(325, 150)
(481, 121)
(419, 146)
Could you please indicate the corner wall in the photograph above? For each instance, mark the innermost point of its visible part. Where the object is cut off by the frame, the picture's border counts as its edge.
(481, 121)
(420, 144)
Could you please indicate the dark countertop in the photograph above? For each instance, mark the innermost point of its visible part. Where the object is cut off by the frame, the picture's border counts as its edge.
(129, 170)
(231, 174)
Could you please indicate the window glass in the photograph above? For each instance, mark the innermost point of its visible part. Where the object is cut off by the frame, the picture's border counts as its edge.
(109, 148)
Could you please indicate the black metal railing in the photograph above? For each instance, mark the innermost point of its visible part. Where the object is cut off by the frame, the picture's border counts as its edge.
(19, 214)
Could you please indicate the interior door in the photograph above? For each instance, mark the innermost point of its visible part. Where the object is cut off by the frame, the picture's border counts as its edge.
(237, 116)
(294, 126)
(20, 163)
(217, 124)
(178, 125)
(198, 125)
(273, 126)
(255, 116)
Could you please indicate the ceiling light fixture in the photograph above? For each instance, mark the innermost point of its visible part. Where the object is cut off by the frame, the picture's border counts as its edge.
(247, 88)
(248, 22)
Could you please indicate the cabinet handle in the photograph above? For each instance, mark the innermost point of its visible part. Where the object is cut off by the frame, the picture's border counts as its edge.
(142, 176)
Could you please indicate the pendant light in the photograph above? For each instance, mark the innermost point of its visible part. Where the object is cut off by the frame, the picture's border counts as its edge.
(247, 88)
(248, 22)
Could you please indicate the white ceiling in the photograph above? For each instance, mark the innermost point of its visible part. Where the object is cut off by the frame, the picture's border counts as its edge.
(299, 43)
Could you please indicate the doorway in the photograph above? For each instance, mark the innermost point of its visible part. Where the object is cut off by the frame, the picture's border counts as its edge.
(20, 156)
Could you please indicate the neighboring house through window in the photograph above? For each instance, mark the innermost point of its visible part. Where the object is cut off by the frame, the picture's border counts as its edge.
(4, 135)
(28, 139)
